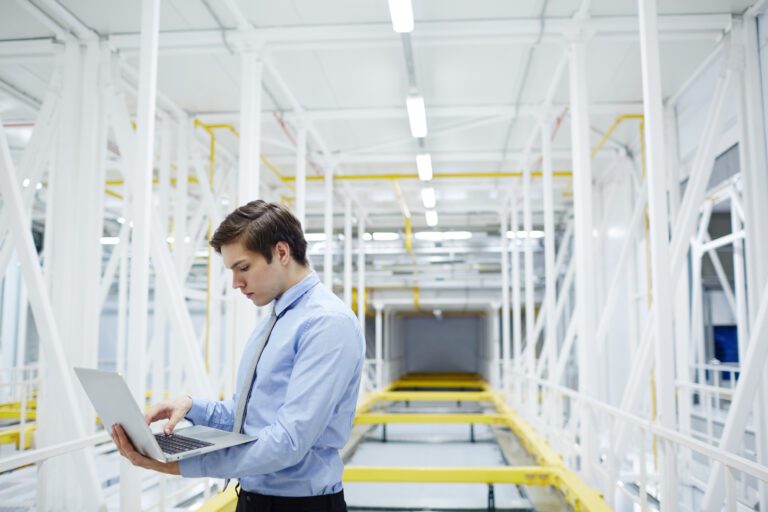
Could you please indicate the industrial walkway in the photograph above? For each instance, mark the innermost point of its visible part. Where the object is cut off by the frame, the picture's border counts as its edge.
(404, 402)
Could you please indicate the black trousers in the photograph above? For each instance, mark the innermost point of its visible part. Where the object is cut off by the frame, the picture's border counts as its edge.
(254, 502)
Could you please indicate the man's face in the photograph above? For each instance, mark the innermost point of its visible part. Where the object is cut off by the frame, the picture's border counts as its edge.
(258, 280)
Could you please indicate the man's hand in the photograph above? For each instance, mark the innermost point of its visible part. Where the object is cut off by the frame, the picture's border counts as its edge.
(127, 450)
(172, 410)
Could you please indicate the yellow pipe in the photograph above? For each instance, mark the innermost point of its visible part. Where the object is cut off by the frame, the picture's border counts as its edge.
(155, 181)
(409, 176)
(408, 235)
(416, 297)
(607, 135)
(113, 193)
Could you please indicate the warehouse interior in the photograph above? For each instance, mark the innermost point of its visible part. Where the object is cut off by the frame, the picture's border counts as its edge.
(545, 214)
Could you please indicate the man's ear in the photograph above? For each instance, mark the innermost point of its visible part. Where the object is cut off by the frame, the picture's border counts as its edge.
(282, 252)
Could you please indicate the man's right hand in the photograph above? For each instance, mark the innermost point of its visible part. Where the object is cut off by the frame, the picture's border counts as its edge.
(172, 410)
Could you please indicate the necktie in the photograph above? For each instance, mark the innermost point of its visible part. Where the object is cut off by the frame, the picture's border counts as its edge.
(250, 378)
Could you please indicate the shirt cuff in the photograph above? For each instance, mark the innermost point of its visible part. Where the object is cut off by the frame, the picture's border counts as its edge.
(191, 467)
(198, 413)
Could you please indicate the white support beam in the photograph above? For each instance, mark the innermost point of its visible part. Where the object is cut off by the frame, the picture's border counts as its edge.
(328, 227)
(505, 338)
(60, 372)
(550, 274)
(525, 31)
(582, 200)
(361, 270)
(300, 205)
(658, 214)
(531, 400)
(348, 251)
(517, 331)
(378, 349)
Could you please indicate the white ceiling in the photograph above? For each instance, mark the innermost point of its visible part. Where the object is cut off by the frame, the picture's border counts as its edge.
(343, 63)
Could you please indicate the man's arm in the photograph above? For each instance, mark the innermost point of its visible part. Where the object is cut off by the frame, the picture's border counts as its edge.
(328, 359)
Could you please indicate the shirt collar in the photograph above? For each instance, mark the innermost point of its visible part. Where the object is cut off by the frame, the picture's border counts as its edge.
(295, 292)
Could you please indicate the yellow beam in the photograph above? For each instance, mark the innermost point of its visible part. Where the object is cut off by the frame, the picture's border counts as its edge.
(13, 435)
(381, 418)
(440, 376)
(521, 475)
(223, 502)
(441, 384)
(436, 396)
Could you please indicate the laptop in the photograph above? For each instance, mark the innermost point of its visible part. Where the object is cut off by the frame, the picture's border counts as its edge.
(114, 403)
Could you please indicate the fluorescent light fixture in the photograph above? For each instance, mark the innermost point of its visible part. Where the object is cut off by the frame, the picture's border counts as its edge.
(439, 236)
(428, 197)
(26, 182)
(314, 237)
(110, 240)
(524, 234)
(39, 186)
(121, 220)
(424, 165)
(431, 216)
(417, 115)
(367, 237)
(384, 236)
(401, 12)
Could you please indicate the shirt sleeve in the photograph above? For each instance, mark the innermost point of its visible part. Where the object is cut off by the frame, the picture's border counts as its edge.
(218, 414)
(328, 359)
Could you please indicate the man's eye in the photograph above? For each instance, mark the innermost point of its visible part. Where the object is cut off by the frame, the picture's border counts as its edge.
(243, 269)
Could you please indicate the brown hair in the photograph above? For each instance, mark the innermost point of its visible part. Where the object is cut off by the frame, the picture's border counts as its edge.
(259, 226)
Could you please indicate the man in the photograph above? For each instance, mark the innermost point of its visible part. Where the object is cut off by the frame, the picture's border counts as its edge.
(301, 401)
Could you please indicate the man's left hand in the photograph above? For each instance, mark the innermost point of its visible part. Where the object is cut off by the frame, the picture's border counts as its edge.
(127, 450)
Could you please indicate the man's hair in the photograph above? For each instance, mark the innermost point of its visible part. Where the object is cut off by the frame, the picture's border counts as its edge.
(259, 226)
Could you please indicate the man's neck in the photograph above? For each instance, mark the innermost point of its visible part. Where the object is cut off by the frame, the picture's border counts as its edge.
(296, 274)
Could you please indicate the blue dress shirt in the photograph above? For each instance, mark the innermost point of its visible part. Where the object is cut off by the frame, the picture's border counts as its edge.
(302, 403)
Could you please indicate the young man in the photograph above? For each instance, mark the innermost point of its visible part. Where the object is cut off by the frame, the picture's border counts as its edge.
(301, 399)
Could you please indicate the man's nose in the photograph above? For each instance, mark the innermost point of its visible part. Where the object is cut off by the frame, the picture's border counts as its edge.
(237, 283)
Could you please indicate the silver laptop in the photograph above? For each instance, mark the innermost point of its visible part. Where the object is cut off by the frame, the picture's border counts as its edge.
(114, 403)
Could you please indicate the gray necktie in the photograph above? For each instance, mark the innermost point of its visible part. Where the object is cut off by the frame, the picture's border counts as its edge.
(250, 375)
(250, 378)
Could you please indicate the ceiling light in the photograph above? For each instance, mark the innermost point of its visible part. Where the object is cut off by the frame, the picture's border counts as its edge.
(431, 216)
(428, 197)
(25, 183)
(383, 236)
(314, 237)
(401, 12)
(424, 165)
(110, 240)
(367, 237)
(121, 220)
(417, 116)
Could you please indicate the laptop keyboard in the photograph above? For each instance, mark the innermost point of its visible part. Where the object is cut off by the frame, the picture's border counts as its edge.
(174, 443)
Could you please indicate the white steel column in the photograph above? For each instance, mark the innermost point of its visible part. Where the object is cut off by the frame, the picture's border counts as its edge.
(328, 227)
(141, 200)
(505, 339)
(248, 179)
(348, 251)
(378, 349)
(361, 270)
(250, 128)
(582, 236)
(301, 176)
(531, 401)
(658, 214)
(517, 332)
(549, 309)
(493, 317)
(755, 190)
